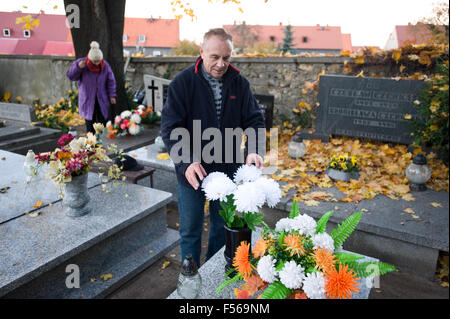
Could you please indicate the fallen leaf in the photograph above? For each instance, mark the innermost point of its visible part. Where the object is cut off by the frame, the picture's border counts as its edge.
(35, 214)
(434, 204)
(408, 210)
(312, 202)
(165, 265)
(163, 156)
(106, 277)
(38, 204)
(93, 279)
(408, 197)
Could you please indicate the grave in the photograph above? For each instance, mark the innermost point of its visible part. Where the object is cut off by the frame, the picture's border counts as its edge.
(123, 234)
(371, 108)
(18, 135)
(156, 91)
(213, 274)
(164, 178)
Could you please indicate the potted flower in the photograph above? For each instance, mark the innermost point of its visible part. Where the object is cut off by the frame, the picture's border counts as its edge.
(299, 260)
(68, 166)
(125, 124)
(343, 167)
(246, 194)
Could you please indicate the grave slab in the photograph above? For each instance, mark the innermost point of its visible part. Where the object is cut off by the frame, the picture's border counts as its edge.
(213, 274)
(124, 233)
(156, 90)
(17, 112)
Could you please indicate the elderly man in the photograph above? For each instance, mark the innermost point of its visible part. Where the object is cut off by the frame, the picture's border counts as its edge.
(215, 95)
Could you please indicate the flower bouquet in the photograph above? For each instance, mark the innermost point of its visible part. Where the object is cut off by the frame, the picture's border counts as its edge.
(343, 167)
(73, 158)
(299, 260)
(246, 194)
(127, 123)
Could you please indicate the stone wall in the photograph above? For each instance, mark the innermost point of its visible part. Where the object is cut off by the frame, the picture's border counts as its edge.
(283, 77)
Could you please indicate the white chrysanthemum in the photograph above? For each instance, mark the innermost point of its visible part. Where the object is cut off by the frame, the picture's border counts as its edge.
(323, 240)
(247, 173)
(266, 269)
(271, 190)
(218, 185)
(305, 224)
(125, 114)
(248, 197)
(141, 107)
(292, 275)
(314, 286)
(78, 144)
(134, 129)
(284, 224)
(135, 118)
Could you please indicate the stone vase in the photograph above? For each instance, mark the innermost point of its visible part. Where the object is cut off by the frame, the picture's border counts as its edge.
(233, 238)
(76, 197)
(335, 174)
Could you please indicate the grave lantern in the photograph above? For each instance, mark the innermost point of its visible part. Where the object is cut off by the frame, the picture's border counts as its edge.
(296, 147)
(418, 173)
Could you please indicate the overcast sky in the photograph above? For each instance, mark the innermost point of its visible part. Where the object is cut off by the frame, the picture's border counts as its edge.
(368, 21)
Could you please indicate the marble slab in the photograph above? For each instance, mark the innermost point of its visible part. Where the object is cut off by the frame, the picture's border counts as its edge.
(147, 155)
(32, 246)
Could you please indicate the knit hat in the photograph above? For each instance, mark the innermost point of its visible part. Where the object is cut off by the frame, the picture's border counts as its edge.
(95, 54)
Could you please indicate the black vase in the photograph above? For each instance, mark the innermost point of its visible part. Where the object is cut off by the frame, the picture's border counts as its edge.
(234, 237)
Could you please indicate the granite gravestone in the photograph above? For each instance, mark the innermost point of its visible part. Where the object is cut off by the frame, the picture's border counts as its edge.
(371, 108)
(266, 102)
(17, 112)
(156, 91)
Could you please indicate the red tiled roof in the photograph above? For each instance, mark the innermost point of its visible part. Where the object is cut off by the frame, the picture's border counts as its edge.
(158, 32)
(346, 42)
(58, 48)
(305, 37)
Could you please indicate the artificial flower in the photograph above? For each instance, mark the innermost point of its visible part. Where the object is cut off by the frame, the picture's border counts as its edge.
(266, 269)
(260, 248)
(305, 224)
(342, 283)
(325, 260)
(294, 245)
(247, 173)
(217, 186)
(314, 286)
(248, 197)
(292, 275)
(323, 240)
(271, 190)
(241, 259)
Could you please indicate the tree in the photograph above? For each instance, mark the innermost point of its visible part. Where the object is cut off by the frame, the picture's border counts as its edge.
(243, 37)
(102, 21)
(434, 29)
(287, 40)
(186, 47)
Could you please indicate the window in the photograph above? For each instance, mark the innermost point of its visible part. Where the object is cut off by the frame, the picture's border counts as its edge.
(141, 37)
(272, 38)
(6, 33)
(26, 33)
(125, 38)
(304, 39)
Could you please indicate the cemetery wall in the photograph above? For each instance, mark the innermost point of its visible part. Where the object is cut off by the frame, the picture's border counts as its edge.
(282, 77)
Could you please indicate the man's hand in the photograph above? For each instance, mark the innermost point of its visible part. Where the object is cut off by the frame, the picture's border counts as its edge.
(194, 170)
(112, 100)
(82, 64)
(255, 158)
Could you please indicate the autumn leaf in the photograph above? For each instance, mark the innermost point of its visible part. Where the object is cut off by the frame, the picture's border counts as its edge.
(396, 55)
(163, 156)
(359, 59)
(107, 277)
(165, 264)
(434, 204)
(408, 210)
(312, 203)
(38, 204)
(408, 197)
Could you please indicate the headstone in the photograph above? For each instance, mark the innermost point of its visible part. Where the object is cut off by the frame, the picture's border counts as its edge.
(266, 102)
(156, 90)
(17, 112)
(51, 255)
(371, 108)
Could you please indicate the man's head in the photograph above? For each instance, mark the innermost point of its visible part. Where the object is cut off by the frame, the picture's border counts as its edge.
(216, 52)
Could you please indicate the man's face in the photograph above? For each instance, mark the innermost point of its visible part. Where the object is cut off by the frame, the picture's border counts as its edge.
(216, 54)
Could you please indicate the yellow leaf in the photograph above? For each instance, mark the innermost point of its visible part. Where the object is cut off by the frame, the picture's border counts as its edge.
(409, 211)
(434, 204)
(55, 7)
(38, 204)
(165, 264)
(408, 197)
(106, 277)
(163, 156)
(359, 59)
(407, 116)
(312, 202)
(402, 68)
(360, 74)
(7, 96)
(240, 10)
(35, 23)
(35, 214)
(396, 55)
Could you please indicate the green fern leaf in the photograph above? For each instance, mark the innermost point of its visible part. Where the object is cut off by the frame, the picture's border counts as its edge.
(276, 290)
(341, 233)
(226, 283)
(322, 223)
(345, 257)
(294, 210)
(367, 269)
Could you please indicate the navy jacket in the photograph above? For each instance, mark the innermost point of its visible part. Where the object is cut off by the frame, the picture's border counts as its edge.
(191, 98)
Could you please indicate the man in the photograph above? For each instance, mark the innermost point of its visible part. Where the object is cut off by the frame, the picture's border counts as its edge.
(213, 93)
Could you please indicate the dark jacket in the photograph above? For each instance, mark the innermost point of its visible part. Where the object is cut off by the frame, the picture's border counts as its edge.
(191, 98)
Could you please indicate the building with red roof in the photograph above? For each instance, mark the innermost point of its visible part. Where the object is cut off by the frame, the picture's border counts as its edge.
(53, 37)
(411, 33)
(306, 39)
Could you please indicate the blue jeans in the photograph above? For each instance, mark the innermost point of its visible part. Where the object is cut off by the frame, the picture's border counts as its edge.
(191, 204)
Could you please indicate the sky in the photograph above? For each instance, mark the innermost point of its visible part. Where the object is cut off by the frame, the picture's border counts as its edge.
(368, 21)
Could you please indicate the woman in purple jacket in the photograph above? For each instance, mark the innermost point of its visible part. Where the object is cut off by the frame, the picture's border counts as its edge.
(96, 86)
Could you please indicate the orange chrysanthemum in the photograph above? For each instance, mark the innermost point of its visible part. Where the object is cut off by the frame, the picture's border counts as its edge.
(241, 259)
(341, 284)
(294, 245)
(324, 259)
(260, 248)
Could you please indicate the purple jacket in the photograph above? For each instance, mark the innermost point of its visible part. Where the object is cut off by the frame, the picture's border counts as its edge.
(90, 84)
